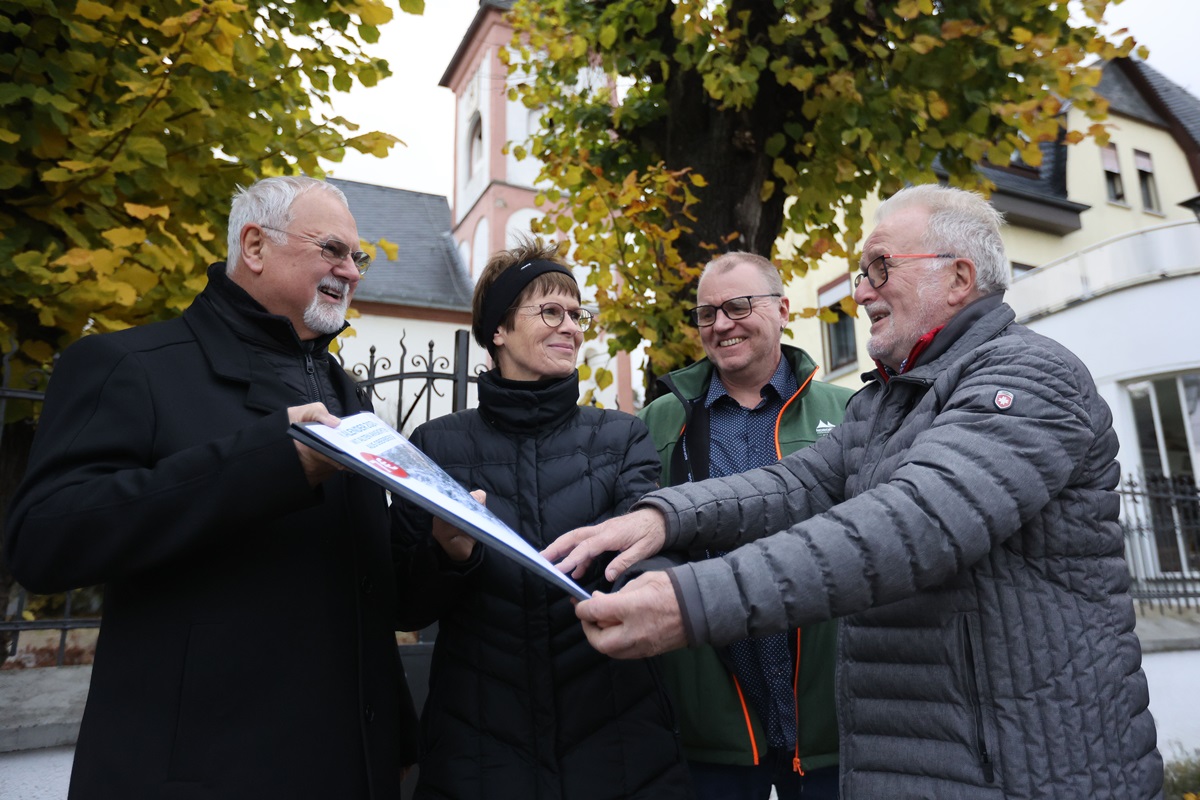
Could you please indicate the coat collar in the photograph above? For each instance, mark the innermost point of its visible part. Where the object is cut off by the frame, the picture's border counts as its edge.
(210, 317)
(977, 323)
(527, 406)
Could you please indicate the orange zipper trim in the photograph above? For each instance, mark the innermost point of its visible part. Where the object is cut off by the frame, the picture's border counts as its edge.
(746, 714)
(796, 767)
(779, 419)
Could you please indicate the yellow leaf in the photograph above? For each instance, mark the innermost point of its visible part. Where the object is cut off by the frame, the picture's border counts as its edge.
(40, 352)
(391, 249)
(1022, 35)
(123, 293)
(8, 137)
(697, 179)
(103, 262)
(75, 257)
(923, 43)
(109, 324)
(202, 232)
(93, 11)
(374, 12)
(76, 166)
(141, 212)
(137, 276)
(30, 259)
(124, 237)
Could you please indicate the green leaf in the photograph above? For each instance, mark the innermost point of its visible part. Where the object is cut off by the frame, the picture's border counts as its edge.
(152, 151)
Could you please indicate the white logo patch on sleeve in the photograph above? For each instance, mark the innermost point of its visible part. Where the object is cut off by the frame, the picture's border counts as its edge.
(1004, 399)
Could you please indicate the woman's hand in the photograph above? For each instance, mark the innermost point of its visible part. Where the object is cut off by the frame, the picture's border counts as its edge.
(458, 545)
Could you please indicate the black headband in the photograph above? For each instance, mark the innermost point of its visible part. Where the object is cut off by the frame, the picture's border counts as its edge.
(504, 292)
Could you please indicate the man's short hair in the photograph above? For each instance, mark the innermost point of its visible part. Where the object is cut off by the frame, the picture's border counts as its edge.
(269, 202)
(527, 248)
(960, 222)
(727, 261)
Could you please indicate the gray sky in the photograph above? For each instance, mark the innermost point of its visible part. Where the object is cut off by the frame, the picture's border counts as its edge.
(411, 105)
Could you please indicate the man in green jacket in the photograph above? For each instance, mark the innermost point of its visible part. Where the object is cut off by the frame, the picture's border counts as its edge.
(759, 712)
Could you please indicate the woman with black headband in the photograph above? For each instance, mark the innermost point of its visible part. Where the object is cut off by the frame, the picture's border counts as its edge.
(520, 706)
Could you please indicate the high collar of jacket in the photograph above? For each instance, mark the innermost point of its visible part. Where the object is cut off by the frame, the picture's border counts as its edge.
(251, 322)
(977, 322)
(527, 406)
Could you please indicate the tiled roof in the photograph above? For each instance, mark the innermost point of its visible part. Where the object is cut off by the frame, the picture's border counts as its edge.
(1183, 105)
(1125, 98)
(429, 272)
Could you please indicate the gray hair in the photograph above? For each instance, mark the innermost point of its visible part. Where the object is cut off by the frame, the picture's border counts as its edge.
(269, 202)
(960, 222)
(727, 261)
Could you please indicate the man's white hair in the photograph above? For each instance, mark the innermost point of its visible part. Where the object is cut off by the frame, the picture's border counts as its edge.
(960, 222)
(269, 202)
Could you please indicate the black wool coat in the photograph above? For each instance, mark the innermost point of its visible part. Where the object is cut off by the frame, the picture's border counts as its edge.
(247, 648)
(520, 706)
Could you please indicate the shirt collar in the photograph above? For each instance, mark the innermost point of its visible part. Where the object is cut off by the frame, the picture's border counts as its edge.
(783, 382)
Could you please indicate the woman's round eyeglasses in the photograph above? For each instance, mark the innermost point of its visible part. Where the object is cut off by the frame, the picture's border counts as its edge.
(553, 315)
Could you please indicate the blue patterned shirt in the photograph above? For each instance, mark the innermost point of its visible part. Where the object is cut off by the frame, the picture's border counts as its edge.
(741, 439)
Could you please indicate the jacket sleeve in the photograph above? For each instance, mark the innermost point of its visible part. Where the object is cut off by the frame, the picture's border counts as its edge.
(966, 483)
(428, 583)
(640, 470)
(98, 504)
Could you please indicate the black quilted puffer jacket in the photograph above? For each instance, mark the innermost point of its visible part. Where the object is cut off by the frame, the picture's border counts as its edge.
(520, 706)
(962, 522)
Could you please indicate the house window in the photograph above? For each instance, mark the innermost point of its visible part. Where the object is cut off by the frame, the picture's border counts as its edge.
(1112, 174)
(1166, 415)
(1145, 171)
(840, 347)
(837, 336)
(475, 147)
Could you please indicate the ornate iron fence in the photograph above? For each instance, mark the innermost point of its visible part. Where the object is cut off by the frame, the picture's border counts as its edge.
(1161, 519)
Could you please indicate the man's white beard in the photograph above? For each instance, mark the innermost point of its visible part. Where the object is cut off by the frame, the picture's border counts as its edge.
(322, 316)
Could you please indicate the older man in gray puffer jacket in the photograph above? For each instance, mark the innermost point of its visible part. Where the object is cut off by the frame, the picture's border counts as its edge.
(962, 521)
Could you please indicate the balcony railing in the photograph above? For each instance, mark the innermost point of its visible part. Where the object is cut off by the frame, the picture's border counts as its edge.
(1164, 251)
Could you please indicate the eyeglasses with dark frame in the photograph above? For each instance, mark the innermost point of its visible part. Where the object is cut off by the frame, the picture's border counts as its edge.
(734, 308)
(553, 315)
(880, 276)
(332, 250)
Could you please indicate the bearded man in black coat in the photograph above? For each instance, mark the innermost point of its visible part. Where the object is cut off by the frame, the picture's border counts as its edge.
(247, 648)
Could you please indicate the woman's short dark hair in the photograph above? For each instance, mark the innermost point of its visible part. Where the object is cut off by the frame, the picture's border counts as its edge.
(527, 249)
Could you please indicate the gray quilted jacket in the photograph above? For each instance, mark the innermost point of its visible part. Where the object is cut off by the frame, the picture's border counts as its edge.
(962, 522)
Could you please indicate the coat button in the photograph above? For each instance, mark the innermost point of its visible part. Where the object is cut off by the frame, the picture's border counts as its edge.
(368, 713)
(365, 584)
